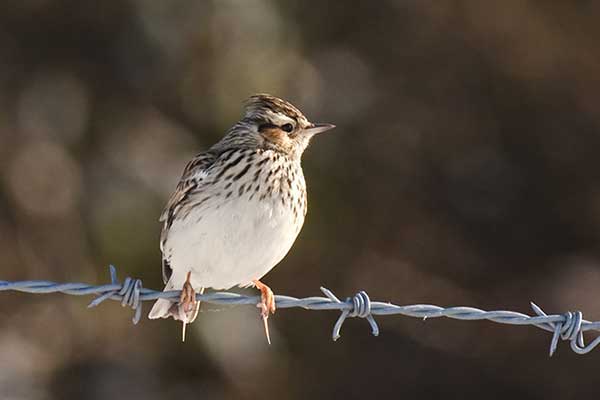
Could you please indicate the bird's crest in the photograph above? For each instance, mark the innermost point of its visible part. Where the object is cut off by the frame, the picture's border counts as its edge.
(262, 105)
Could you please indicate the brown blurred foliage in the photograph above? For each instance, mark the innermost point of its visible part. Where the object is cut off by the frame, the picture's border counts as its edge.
(464, 171)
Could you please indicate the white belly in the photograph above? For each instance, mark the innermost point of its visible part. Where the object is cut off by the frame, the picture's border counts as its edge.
(233, 245)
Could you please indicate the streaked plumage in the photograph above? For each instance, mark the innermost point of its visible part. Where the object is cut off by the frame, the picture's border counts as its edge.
(239, 206)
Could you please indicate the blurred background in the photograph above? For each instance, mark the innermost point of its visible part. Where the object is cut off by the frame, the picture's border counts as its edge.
(464, 171)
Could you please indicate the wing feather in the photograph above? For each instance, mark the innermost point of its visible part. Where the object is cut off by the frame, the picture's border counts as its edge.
(190, 181)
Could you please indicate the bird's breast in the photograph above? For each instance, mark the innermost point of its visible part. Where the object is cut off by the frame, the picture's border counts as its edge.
(248, 224)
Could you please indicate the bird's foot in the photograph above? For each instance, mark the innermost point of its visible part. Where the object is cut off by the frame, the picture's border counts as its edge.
(187, 299)
(188, 306)
(267, 305)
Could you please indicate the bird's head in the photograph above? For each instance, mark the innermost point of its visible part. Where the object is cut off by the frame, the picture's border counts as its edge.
(272, 123)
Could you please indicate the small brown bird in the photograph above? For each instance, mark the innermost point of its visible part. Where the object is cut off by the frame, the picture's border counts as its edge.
(237, 209)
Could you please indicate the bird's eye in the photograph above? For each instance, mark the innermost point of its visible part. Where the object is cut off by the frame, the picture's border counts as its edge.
(288, 127)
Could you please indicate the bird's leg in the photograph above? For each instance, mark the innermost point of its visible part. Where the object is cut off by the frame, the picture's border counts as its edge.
(267, 304)
(187, 299)
(188, 304)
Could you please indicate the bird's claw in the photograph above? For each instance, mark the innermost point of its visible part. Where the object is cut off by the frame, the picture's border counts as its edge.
(187, 304)
(266, 305)
(187, 299)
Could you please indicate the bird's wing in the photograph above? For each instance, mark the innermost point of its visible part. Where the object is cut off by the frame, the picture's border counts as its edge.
(191, 181)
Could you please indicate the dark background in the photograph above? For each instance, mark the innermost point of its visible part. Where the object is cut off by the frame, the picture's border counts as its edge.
(464, 171)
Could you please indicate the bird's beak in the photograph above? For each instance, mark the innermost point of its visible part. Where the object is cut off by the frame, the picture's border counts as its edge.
(318, 128)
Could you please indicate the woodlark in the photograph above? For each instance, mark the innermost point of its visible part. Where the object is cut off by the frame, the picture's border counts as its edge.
(237, 209)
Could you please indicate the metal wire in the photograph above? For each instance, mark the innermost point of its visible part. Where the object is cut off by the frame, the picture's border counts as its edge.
(568, 326)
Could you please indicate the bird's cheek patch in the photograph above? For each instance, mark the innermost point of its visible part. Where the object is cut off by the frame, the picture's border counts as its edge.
(275, 135)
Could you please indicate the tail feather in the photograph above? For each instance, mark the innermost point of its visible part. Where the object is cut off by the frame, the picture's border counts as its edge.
(163, 309)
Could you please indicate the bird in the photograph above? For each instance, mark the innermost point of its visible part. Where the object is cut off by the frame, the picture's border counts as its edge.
(237, 209)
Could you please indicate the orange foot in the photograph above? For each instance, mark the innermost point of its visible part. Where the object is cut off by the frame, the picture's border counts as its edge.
(267, 304)
(188, 306)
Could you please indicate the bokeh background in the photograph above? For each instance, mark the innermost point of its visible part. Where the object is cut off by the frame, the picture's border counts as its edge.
(464, 171)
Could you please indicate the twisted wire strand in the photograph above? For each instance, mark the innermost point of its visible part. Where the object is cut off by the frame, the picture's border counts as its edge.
(568, 326)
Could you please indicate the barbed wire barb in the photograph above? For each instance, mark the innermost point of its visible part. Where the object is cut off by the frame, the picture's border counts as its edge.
(361, 307)
(129, 294)
(569, 330)
(568, 326)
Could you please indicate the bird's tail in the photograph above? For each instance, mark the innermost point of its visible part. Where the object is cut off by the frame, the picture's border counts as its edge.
(164, 308)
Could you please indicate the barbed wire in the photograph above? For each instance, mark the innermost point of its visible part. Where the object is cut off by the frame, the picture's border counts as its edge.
(568, 326)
